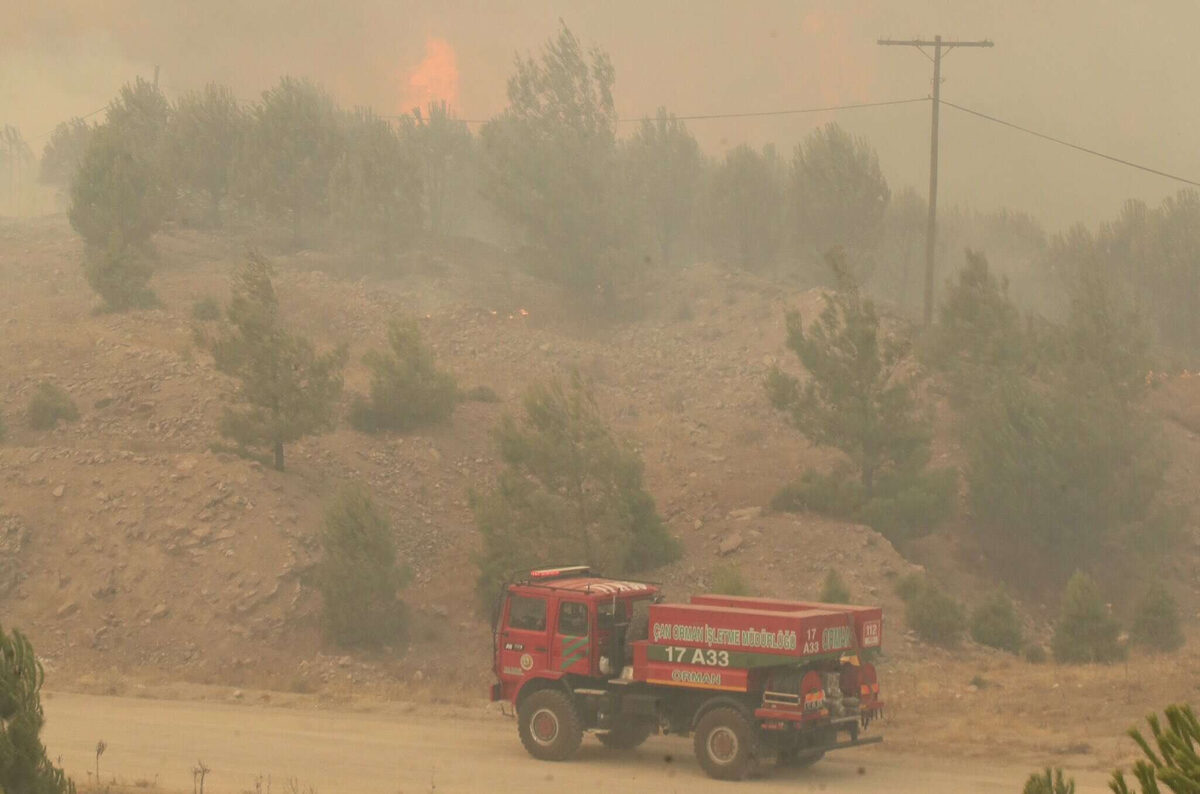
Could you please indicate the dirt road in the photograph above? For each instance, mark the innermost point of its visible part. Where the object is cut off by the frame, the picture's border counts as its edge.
(390, 751)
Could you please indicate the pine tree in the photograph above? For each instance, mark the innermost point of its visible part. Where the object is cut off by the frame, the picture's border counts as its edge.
(1156, 620)
(121, 194)
(1176, 764)
(1086, 632)
(570, 491)
(358, 574)
(552, 163)
(995, 623)
(293, 143)
(375, 187)
(407, 388)
(445, 150)
(1049, 781)
(744, 207)
(979, 332)
(207, 129)
(839, 193)
(666, 165)
(24, 766)
(288, 390)
(856, 398)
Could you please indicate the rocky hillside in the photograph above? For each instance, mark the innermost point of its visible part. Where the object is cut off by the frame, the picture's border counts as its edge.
(125, 544)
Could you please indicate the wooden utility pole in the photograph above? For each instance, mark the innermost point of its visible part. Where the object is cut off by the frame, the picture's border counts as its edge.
(939, 47)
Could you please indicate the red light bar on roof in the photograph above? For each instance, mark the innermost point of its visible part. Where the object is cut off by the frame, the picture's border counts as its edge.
(558, 573)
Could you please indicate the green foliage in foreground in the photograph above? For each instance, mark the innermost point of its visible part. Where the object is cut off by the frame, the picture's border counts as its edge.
(24, 767)
(1049, 781)
(358, 574)
(1172, 761)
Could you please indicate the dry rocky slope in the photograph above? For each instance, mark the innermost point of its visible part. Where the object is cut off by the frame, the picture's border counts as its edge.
(132, 554)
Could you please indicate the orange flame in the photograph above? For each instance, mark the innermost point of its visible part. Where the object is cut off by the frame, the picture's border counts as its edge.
(435, 78)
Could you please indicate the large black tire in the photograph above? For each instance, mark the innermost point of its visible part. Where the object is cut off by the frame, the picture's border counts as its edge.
(627, 734)
(549, 725)
(727, 744)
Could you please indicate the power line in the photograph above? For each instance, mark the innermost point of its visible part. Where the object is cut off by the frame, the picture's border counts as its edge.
(797, 111)
(1075, 146)
(744, 115)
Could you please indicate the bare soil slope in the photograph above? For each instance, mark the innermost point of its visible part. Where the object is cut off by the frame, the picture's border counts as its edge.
(131, 554)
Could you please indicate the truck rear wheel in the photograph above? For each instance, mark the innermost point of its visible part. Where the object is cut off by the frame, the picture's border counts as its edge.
(627, 734)
(549, 725)
(726, 744)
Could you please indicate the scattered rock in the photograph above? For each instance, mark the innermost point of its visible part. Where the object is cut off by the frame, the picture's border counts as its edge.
(160, 611)
(59, 490)
(67, 609)
(730, 544)
(744, 513)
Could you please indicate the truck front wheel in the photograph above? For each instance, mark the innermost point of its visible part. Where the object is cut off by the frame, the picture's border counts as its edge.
(549, 725)
(726, 744)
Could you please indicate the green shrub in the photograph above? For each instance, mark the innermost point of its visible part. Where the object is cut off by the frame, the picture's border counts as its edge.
(995, 623)
(49, 405)
(120, 276)
(835, 494)
(24, 766)
(909, 505)
(904, 505)
(358, 574)
(936, 617)
(480, 394)
(206, 309)
(834, 590)
(1176, 764)
(1035, 654)
(1156, 621)
(727, 579)
(407, 389)
(909, 585)
(1086, 632)
(1051, 781)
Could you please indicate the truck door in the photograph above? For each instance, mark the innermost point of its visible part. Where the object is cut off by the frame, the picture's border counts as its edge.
(524, 637)
(571, 649)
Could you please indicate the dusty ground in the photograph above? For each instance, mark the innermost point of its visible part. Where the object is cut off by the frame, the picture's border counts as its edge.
(139, 562)
(159, 743)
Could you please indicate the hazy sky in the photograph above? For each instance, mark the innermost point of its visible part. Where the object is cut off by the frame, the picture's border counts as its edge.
(1121, 77)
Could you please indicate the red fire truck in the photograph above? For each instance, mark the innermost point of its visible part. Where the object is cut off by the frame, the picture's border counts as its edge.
(750, 679)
